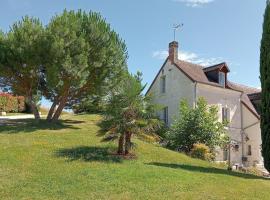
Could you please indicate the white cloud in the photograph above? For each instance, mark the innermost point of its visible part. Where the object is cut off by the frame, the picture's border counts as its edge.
(160, 54)
(189, 57)
(195, 3)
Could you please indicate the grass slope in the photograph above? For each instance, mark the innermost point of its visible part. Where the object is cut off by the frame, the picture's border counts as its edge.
(68, 161)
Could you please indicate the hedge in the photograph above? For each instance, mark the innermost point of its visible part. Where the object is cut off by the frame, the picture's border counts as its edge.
(9, 103)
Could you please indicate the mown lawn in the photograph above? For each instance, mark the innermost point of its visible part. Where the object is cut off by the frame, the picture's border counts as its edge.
(69, 161)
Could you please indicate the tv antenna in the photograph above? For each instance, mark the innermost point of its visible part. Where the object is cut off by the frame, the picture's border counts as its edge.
(175, 28)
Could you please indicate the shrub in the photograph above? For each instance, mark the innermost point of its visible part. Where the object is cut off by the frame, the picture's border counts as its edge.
(9, 103)
(202, 151)
(21, 104)
(196, 125)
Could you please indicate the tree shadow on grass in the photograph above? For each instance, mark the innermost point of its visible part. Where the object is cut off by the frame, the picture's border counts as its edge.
(104, 127)
(13, 126)
(89, 154)
(210, 170)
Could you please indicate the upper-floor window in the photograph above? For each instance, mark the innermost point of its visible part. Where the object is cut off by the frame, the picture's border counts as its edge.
(225, 115)
(163, 84)
(221, 78)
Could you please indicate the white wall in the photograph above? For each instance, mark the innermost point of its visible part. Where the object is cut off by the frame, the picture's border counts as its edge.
(230, 99)
(254, 137)
(178, 87)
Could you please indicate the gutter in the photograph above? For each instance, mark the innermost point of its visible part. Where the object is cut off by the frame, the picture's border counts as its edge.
(242, 125)
(195, 94)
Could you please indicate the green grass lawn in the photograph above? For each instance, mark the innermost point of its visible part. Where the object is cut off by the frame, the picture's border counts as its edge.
(68, 161)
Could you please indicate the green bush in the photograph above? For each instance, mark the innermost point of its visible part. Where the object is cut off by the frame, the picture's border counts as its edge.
(202, 151)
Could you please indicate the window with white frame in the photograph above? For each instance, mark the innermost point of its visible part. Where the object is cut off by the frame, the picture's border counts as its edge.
(163, 84)
(165, 115)
(221, 78)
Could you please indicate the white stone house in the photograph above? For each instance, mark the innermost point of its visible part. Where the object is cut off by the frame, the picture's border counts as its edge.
(177, 80)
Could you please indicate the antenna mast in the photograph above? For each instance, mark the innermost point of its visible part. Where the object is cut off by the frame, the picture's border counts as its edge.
(175, 28)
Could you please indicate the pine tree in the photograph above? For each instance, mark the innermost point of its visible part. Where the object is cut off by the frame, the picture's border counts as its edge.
(265, 84)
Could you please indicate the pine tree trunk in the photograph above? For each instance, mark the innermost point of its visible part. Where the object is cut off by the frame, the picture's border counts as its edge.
(127, 142)
(35, 111)
(265, 84)
(121, 145)
(34, 108)
(59, 109)
(52, 110)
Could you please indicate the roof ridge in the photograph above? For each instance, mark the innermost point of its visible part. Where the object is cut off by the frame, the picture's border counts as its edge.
(222, 63)
(190, 63)
(247, 86)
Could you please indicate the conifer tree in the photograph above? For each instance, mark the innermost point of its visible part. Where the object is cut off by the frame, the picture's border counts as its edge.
(265, 84)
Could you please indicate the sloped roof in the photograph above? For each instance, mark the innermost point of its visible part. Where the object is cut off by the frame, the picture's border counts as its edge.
(248, 91)
(217, 66)
(254, 96)
(244, 88)
(196, 73)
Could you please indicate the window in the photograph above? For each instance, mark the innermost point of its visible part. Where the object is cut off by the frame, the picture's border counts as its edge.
(163, 84)
(221, 78)
(165, 115)
(225, 154)
(249, 150)
(225, 114)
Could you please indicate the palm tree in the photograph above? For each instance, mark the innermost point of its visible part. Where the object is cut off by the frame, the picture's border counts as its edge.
(129, 112)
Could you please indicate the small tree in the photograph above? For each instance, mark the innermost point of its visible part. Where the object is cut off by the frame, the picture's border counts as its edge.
(21, 58)
(196, 125)
(265, 84)
(84, 54)
(129, 112)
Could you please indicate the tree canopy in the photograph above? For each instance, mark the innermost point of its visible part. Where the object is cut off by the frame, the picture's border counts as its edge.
(21, 57)
(196, 125)
(129, 112)
(84, 55)
(73, 57)
(265, 84)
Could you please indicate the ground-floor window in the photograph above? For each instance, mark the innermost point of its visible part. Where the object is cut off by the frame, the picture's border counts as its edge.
(165, 115)
(225, 154)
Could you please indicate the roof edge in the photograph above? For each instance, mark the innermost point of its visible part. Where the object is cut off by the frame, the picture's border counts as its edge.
(255, 114)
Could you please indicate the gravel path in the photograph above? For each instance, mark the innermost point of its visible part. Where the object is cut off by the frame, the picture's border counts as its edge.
(17, 117)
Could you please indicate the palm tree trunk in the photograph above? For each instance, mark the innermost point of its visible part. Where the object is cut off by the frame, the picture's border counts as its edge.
(127, 142)
(121, 145)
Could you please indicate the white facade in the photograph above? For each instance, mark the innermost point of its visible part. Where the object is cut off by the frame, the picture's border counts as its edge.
(244, 126)
(172, 95)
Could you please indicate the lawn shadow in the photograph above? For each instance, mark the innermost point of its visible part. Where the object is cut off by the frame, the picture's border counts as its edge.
(210, 170)
(13, 126)
(89, 154)
(104, 127)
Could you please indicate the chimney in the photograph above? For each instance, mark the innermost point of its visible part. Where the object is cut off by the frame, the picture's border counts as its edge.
(173, 51)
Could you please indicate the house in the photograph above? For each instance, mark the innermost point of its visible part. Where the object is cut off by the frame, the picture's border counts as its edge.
(178, 79)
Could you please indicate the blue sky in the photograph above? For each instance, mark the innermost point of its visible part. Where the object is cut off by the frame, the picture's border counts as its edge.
(214, 30)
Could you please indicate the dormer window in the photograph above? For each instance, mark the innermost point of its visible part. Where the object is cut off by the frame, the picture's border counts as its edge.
(221, 78)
